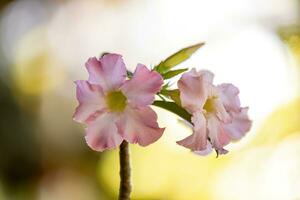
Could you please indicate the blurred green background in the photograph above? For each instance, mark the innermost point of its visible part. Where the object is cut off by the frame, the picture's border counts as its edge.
(44, 44)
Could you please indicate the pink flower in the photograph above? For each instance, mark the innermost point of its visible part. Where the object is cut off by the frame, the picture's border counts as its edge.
(115, 109)
(217, 115)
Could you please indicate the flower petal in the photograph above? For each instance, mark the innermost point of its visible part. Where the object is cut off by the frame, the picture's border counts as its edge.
(109, 71)
(206, 151)
(91, 101)
(198, 140)
(102, 133)
(217, 135)
(142, 87)
(194, 89)
(229, 97)
(138, 125)
(221, 112)
(239, 126)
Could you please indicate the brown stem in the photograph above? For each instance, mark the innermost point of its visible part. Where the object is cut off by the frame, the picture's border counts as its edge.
(125, 184)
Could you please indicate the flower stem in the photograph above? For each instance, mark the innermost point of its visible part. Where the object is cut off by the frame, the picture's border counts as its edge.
(125, 182)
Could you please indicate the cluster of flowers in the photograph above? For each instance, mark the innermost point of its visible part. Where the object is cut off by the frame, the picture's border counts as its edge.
(114, 104)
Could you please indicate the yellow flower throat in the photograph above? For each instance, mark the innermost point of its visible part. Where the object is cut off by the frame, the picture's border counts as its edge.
(116, 101)
(209, 105)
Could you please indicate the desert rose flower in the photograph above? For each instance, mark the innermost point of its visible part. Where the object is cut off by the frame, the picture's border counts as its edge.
(217, 115)
(114, 108)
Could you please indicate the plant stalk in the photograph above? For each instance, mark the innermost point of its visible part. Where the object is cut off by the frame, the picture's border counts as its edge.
(125, 172)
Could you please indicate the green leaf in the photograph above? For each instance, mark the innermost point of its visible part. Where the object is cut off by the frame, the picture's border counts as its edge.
(171, 74)
(166, 86)
(172, 94)
(174, 108)
(177, 58)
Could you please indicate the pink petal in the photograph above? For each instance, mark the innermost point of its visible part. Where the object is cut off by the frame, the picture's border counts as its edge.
(198, 140)
(109, 72)
(229, 96)
(91, 101)
(138, 125)
(102, 134)
(218, 137)
(142, 87)
(206, 151)
(221, 112)
(221, 151)
(194, 88)
(239, 126)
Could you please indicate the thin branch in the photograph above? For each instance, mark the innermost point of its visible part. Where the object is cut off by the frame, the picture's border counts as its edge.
(125, 172)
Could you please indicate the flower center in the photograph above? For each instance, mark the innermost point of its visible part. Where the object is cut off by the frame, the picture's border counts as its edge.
(209, 105)
(116, 101)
